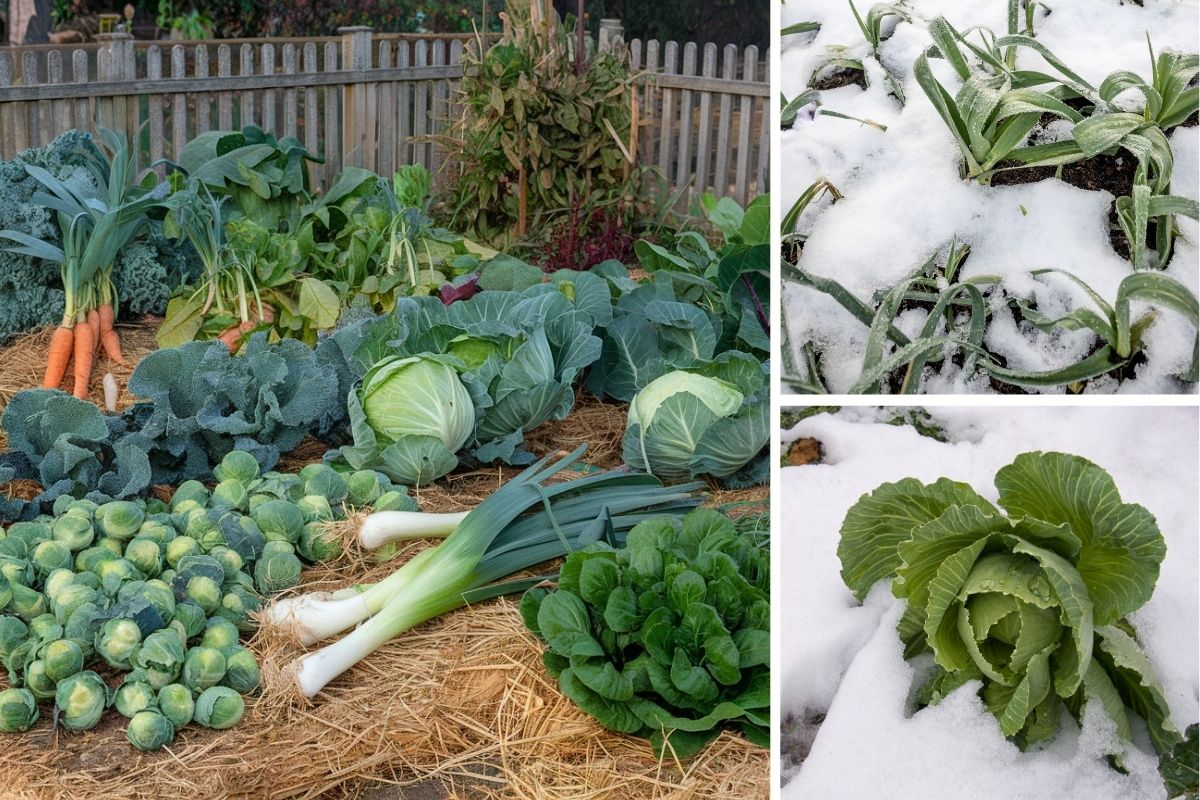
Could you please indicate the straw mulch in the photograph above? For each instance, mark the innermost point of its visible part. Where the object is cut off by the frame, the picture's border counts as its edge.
(458, 708)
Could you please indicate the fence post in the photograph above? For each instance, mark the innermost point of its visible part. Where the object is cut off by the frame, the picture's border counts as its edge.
(611, 31)
(111, 65)
(356, 56)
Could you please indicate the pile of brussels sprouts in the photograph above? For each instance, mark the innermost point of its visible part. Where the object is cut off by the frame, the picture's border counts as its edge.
(161, 592)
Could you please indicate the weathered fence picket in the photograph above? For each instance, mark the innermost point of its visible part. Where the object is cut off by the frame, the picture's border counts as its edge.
(376, 100)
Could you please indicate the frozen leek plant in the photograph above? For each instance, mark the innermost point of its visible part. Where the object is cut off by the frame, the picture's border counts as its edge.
(666, 638)
(1032, 598)
(524, 523)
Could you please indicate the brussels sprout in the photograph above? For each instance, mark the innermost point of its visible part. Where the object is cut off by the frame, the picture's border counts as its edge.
(324, 481)
(145, 554)
(149, 730)
(314, 508)
(183, 512)
(82, 506)
(74, 531)
(55, 582)
(318, 542)
(204, 592)
(134, 696)
(276, 571)
(160, 595)
(37, 681)
(231, 562)
(231, 494)
(241, 671)
(156, 506)
(180, 547)
(12, 632)
(14, 548)
(279, 521)
(5, 591)
(365, 486)
(237, 465)
(192, 616)
(63, 658)
(45, 628)
(219, 707)
(204, 528)
(84, 624)
(119, 519)
(167, 576)
(189, 490)
(26, 603)
(50, 555)
(395, 500)
(157, 531)
(117, 642)
(88, 560)
(17, 570)
(81, 700)
(18, 710)
(32, 532)
(203, 667)
(176, 703)
(239, 580)
(88, 579)
(114, 546)
(115, 574)
(237, 606)
(71, 598)
(256, 500)
(220, 634)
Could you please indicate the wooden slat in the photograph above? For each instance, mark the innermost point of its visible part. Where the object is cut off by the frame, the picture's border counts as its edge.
(84, 112)
(29, 74)
(311, 134)
(724, 124)
(179, 103)
(453, 113)
(267, 68)
(133, 114)
(8, 115)
(246, 60)
(369, 119)
(420, 107)
(763, 176)
(291, 112)
(650, 105)
(225, 98)
(155, 128)
(333, 148)
(704, 123)
(746, 113)
(386, 103)
(438, 112)
(684, 171)
(60, 110)
(403, 137)
(667, 120)
(204, 99)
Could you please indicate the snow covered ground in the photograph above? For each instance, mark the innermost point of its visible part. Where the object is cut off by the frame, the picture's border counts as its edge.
(904, 199)
(845, 659)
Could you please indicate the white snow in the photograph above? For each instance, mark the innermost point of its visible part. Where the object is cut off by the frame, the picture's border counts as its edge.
(904, 199)
(845, 659)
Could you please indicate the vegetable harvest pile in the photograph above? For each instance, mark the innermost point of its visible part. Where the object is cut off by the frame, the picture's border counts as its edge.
(350, 325)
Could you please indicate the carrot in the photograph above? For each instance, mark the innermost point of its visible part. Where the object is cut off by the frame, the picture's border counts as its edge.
(58, 356)
(108, 336)
(230, 336)
(93, 321)
(84, 358)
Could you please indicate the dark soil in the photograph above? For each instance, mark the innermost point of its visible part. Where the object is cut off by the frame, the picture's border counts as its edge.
(837, 78)
(797, 734)
(790, 251)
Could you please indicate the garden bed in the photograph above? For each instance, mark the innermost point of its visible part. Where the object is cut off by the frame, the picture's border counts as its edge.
(462, 705)
(926, 257)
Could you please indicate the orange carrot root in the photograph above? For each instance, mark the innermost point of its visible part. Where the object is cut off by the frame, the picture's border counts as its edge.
(58, 356)
(231, 335)
(84, 358)
(108, 335)
(93, 321)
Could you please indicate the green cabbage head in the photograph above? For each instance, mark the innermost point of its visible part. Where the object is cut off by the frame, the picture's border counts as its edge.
(1031, 599)
(711, 422)
(409, 417)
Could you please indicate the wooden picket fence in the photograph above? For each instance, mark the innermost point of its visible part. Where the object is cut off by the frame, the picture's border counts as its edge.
(372, 100)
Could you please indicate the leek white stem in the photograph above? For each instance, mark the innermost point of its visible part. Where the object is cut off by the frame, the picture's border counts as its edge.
(316, 616)
(389, 526)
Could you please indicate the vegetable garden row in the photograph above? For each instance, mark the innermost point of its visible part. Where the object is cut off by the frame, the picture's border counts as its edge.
(354, 422)
(1053, 149)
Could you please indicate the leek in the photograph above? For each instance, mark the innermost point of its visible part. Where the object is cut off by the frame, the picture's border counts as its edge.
(522, 524)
